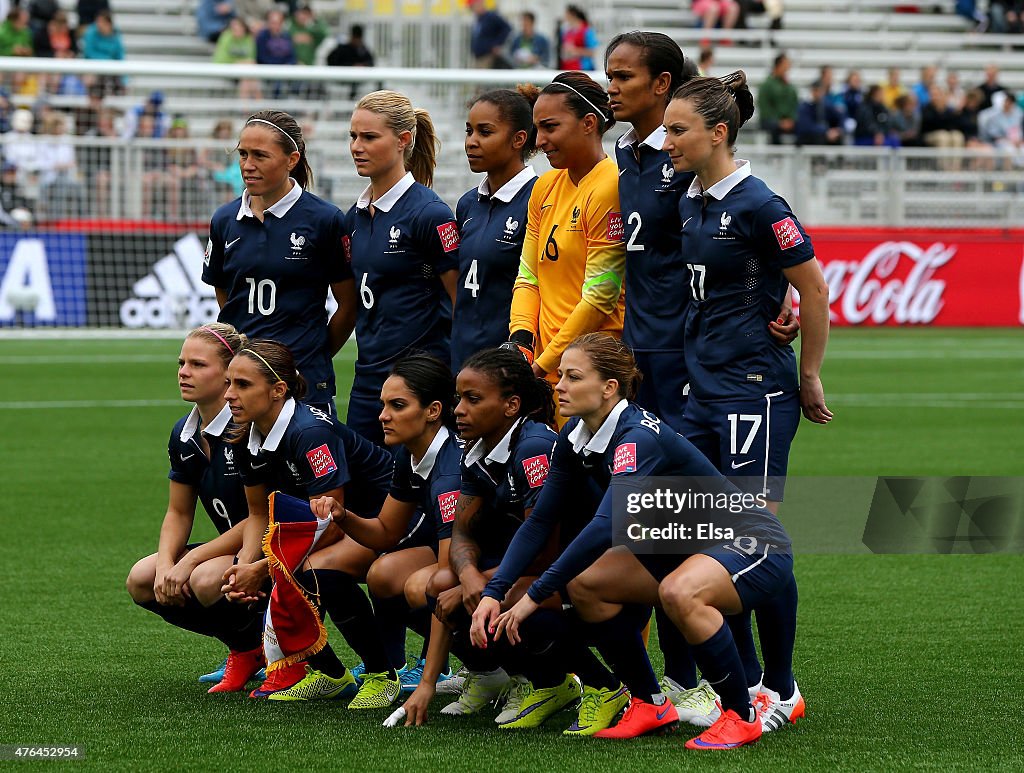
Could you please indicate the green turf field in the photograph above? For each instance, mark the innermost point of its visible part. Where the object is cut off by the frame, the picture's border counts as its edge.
(905, 662)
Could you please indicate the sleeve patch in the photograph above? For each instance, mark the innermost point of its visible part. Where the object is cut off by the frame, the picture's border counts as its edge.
(624, 459)
(321, 461)
(536, 469)
(346, 248)
(449, 233)
(209, 249)
(446, 505)
(615, 228)
(787, 234)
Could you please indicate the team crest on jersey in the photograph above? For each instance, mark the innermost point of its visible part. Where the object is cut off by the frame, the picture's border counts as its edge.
(229, 456)
(615, 228)
(667, 172)
(446, 505)
(575, 215)
(449, 233)
(723, 223)
(393, 236)
(536, 469)
(511, 226)
(787, 234)
(624, 459)
(209, 249)
(294, 469)
(321, 461)
(298, 242)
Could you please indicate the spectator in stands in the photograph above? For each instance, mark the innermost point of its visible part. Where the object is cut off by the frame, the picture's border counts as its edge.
(224, 170)
(717, 13)
(706, 61)
(955, 90)
(1002, 126)
(853, 96)
(828, 83)
(529, 48)
(153, 108)
(213, 17)
(941, 127)
(254, 12)
(154, 163)
(20, 145)
(102, 40)
(353, 53)
(969, 10)
(94, 159)
(60, 191)
(87, 116)
(87, 11)
(873, 124)
(15, 207)
(818, 121)
(5, 111)
(307, 32)
(185, 184)
(16, 40)
(923, 88)
(578, 41)
(777, 103)
(236, 45)
(55, 39)
(1006, 16)
(488, 37)
(905, 121)
(969, 113)
(990, 85)
(892, 88)
(274, 46)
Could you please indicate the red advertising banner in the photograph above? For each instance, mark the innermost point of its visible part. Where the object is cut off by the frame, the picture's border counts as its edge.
(889, 276)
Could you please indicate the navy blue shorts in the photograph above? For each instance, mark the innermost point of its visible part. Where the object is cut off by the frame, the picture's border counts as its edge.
(665, 386)
(747, 440)
(421, 533)
(758, 572)
(364, 409)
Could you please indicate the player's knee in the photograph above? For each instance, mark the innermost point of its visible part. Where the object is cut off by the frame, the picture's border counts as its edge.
(415, 589)
(440, 581)
(679, 597)
(139, 583)
(583, 589)
(206, 582)
(381, 580)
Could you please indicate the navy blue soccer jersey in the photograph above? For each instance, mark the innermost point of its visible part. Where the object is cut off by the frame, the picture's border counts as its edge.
(508, 479)
(737, 239)
(307, 453)
(398, 256)
(491, 231)
(216, 478)
(630, 442)
(433, 483)
(276, 275)
(657, 279)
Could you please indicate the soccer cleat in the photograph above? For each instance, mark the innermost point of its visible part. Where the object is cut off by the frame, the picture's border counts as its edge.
(643, 719)
(729, 732)
(480, 689)
(410, 677)
(542, 703)
(216, 675)
(280, 679)
(240, 668)
(453, 684)
(378, 691)
(515, 690)
(696, 706)
(357, 672)
(776, 713)
(316, 685)
(598, 709)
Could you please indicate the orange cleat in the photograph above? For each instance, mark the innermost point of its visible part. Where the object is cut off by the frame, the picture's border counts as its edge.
(729, 732)
(643, 719)
(240, 668)
(280, 679)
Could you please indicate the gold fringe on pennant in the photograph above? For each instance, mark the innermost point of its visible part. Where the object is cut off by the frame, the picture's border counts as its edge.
(272, 533)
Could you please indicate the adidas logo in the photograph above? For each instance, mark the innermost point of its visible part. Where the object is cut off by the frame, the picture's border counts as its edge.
(173, 294)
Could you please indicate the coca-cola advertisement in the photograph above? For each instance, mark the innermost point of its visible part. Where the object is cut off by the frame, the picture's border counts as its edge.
(923, 277)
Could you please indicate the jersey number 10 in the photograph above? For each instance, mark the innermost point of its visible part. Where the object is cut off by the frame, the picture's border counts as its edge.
(262, 296)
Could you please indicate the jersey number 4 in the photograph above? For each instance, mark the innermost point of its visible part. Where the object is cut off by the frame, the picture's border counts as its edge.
(472, 283)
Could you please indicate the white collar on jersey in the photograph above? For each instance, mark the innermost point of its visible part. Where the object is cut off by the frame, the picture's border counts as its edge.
(214, 428)
(721, 188)
(582, 440)
(655, 140)
(389, 199)
(273, 439)
(508, 191)
(499, 453)
(279, 209)
(425, 466)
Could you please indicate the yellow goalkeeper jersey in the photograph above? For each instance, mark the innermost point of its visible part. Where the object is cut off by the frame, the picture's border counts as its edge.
(573, 262)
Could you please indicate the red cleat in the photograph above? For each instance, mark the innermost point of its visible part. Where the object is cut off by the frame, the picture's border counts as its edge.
(239, 669)
(729, 732)
(643, 719)
(280, 679)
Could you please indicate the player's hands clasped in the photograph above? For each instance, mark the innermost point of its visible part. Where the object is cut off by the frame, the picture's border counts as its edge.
(484, 618)
(509, 622)
(243, 582)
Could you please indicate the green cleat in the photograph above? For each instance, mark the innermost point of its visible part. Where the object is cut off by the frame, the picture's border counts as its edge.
(598, 710)
(479, 690)
(378, 692)
(316, 685)
(542, 703)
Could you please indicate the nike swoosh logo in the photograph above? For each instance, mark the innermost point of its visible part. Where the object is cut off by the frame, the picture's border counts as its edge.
(186, 458)
(622, 171)
(260, 466)
(466, 221)
(534, 707)
(232, 243)
(661, 714)
(687, 221)
(544, 206)
(744, 464)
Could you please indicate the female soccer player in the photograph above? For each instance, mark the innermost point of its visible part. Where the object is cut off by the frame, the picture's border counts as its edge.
(492, 217)
(414, 524)
(274, 252)
(570, 275)
(744, 246)
(297, 449)
(614, 439)
(404, 249)
(203, 468)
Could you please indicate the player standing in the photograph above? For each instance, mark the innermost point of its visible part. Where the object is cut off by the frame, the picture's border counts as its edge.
(404, 249)
(274, 252)
(500, 137)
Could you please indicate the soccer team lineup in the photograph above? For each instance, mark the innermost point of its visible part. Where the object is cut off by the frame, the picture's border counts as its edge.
(504, 381)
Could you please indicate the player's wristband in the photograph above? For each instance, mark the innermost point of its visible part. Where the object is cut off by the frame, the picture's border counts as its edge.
(520, 341)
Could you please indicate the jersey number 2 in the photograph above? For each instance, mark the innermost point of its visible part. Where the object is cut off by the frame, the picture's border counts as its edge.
(632, 245)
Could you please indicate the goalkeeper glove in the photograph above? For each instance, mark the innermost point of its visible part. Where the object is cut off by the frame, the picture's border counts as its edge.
(520, 341)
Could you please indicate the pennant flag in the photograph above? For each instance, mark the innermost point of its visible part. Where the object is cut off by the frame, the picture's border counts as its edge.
(293, 629)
